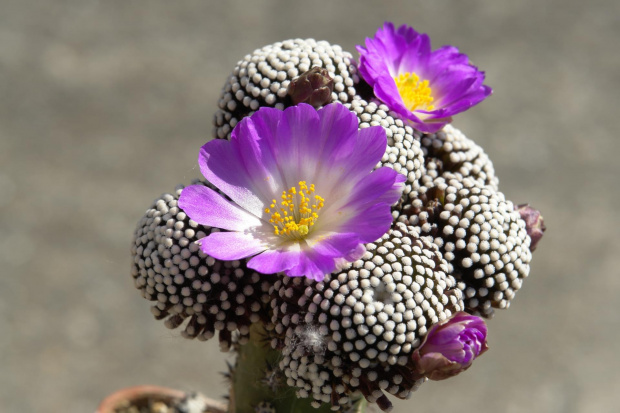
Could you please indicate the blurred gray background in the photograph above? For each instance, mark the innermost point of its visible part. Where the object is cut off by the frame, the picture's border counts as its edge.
(104, 105)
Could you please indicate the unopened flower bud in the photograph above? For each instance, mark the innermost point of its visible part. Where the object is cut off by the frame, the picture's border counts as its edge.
(450, 347)
(314, 87)
(533, 223)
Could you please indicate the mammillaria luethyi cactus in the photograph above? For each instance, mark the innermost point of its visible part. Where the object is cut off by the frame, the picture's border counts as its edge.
(347, 248)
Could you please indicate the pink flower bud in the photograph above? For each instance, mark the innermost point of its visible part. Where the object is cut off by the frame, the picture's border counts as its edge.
(450, 347)
(533, 223)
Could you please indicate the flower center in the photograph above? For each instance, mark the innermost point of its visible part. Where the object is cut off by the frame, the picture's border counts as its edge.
(296, 212)
(416, 94)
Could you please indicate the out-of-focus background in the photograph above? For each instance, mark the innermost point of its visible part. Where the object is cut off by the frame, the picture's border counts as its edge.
(104, 105)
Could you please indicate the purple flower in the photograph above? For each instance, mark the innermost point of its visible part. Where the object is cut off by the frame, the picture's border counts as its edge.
(301, 195)
(427, 87)
(450, 347)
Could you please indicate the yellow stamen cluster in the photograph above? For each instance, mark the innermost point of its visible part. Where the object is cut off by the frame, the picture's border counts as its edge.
(416, 94)
(296, 212)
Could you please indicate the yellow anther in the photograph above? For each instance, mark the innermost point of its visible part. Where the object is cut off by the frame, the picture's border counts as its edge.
(296, 212)
(416, 94)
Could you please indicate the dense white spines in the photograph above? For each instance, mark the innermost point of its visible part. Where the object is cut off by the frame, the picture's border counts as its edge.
(451, 154)
(261, 78)
(364, 321)
(190, 286)
(483, 238)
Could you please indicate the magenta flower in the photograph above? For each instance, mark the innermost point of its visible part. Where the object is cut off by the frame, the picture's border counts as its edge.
(450, 347)
(427, 87)
(301, 197)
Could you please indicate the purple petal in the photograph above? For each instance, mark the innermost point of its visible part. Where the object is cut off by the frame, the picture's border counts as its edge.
(231, 245)
(349, 163)
(321, 257)
(365, 69)
(455, 85)
(207, 207)
(311, 261)
(369, 224)
(393, 43)
(246, 168)
(275, 260)
(442, 60)
(257, 159)
(446, 334)
(323, 145)
(339, 134)
(313, 266)
(383, 185)
(432, 125)
(322, 151)
(293, 262)
(219, 163)
(298, 128)
(336, 244)
(385, 89)
(388, 44)
(311, 144)
(416, 56)
(369, 149)
(460, 339)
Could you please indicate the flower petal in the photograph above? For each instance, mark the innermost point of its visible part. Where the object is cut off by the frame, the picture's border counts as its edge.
(336, 244)
(313, 266)
(383, 185)
(369, 150)
(231, 245)
(296, 131)
(312, 260)
(256, 158)
(320, 257)
(220, 164)
(415, 58)
(207, 207)
(339, 134)
(294, 262)
(385, 89)
(308, 144)
(347, 154)
(275, 260)
(370, 224)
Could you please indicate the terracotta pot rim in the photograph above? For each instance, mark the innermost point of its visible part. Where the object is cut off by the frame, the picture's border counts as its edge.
(139, 392)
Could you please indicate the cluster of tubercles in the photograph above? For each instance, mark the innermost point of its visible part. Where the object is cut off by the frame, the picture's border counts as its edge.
(456, 244)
